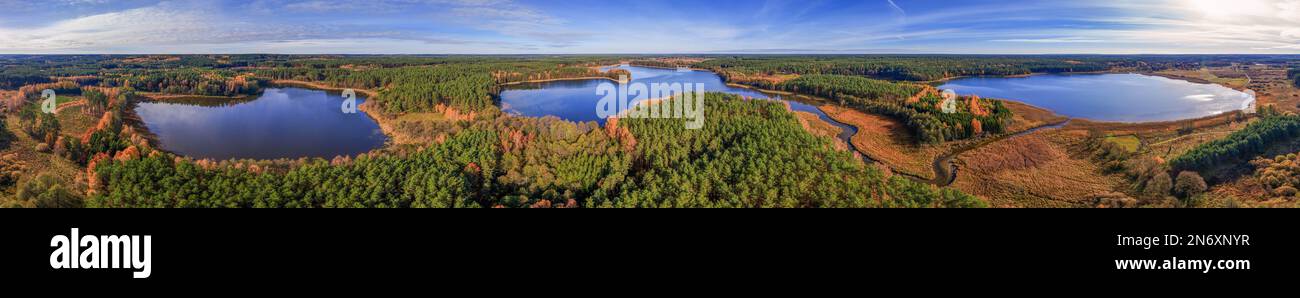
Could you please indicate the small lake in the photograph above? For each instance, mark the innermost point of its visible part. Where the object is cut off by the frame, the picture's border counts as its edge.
(280, 123)
(576, 100)
(1108, 97)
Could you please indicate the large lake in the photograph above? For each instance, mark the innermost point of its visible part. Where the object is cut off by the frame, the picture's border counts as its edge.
(281, 123)
(1108, 97)
(576, 100)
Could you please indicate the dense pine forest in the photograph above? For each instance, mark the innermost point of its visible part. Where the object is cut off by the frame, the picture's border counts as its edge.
(1241, 145)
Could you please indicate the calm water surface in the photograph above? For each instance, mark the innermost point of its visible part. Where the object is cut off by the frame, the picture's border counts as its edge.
(281, 123)
(1109, 97)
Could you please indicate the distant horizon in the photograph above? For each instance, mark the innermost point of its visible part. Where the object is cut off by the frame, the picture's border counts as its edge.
(647, 54)
(549, 27)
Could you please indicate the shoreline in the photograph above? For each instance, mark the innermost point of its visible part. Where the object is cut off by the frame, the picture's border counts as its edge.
(557, 80)
(163, 97)
(137, 123)
(321, 87)
(1182, 78)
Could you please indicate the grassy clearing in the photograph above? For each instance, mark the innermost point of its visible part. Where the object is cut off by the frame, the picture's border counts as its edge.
(74, 121)
(1033, 170)
(1128, 143)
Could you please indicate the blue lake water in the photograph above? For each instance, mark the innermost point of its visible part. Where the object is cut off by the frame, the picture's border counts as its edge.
(281, 123)
(576, 100)
(1108, 97)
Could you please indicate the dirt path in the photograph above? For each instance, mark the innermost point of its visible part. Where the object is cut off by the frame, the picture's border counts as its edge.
(70, 104)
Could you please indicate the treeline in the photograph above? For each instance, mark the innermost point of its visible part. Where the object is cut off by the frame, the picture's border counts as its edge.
(15, 80)
(837, 86)
(1294, 74)
(932, 126)
(741, 157)
(464, 86)
(919, 107)
(905, 68)
(188, 82)
(33, 92)
(1242, 144)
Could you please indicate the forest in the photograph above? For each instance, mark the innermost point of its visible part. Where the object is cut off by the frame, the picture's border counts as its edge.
(838, 86)
(468, 86)
(1241, 145)
(188, 82)
(917, 106)
(1294, 74)
(738, 160)
(12, 80)
(901, 67)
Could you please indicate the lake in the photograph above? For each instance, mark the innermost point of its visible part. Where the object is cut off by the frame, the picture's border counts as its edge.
(1108, 97)
(280, 123)
(576, 100)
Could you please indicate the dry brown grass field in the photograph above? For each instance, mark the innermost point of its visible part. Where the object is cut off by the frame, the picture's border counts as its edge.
(886, 140)
(815, 125)
(1032, 170)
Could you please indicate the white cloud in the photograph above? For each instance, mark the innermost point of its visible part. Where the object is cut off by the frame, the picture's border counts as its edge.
(156, 24)
(191, 27)
(1213, 25)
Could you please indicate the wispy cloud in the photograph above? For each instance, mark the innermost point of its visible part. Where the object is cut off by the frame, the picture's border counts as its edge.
(1051, 40)
(896, 7)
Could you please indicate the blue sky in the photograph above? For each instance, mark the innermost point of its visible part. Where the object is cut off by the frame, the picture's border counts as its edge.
(650, 26)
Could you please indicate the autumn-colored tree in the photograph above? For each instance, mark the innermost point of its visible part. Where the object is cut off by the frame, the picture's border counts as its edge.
(1159, 185)
(1189, 184)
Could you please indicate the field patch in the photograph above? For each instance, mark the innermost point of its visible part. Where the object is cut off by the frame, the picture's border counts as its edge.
(1128, 143)
(1033, 170)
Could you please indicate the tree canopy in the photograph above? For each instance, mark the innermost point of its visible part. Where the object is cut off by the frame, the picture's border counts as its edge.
(741, 158)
